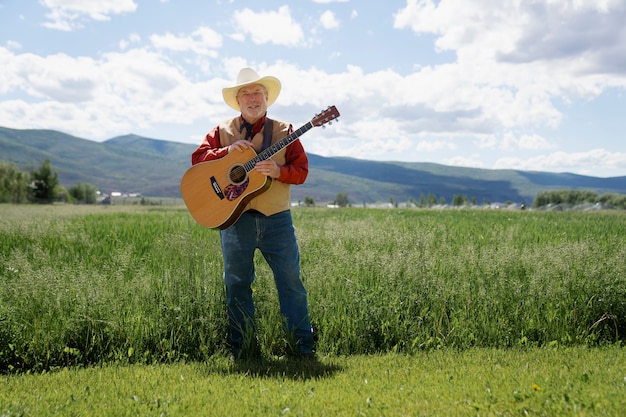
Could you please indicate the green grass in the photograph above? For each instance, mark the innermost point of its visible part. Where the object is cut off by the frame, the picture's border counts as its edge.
(137, 284)
(120, 311)
(421, 279)
(476, 382)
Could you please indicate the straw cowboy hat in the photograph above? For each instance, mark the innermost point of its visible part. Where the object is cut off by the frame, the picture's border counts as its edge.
(248, 76)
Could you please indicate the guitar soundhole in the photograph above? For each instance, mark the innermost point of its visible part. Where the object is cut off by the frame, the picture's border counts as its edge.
(238, 174)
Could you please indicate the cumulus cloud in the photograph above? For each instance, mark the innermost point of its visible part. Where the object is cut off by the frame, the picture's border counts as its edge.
(69, 15)
(329, 20)
(472, 161)
(567, 161)
(275, 27)
(553, 43)
(203, 41)
(13, 45)
(434, 145)
(133, 38)
(514, 61)
(534, 141)
(115, 93)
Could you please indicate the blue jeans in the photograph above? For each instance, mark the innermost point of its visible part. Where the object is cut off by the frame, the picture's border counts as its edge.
(275, 237)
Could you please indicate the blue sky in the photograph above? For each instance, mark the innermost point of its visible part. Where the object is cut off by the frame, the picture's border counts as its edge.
(532, 85)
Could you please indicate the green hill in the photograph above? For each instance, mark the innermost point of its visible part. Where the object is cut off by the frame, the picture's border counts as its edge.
(154, 168)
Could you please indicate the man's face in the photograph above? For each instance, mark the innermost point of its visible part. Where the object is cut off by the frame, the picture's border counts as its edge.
(252, 100)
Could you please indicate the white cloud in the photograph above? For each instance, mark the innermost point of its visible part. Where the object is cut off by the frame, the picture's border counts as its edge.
(534, 141)
(203, 41)
(96, 98)
(68, 15)
(15, 46)
(487, 141)
(9, 75)
(472, 161)
(132, 39)
(329, 20)
(593, 160)
(434, 145)
(278, 28)
(514, 59)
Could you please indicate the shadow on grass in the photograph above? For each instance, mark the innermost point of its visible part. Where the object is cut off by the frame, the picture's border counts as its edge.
(293, 368)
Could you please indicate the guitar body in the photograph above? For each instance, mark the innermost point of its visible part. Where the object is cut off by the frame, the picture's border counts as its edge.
(216, 192)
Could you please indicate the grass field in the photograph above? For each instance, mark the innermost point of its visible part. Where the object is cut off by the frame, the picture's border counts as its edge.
(572, 381)
(495, 300)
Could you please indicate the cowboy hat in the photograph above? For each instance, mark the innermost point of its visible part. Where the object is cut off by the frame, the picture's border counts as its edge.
(248, 76)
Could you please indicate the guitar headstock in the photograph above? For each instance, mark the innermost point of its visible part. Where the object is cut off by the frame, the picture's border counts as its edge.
(326, 116)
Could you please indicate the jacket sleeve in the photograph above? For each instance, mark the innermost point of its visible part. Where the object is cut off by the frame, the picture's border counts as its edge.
(210, 148)
(296, 167)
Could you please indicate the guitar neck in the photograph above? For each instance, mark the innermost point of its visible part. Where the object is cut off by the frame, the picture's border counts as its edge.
(277, 147)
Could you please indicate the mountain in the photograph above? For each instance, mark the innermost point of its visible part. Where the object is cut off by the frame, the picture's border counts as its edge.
(154, 168)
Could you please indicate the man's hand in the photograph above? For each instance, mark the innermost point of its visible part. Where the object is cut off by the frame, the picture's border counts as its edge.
(240, 145)
(268, 168)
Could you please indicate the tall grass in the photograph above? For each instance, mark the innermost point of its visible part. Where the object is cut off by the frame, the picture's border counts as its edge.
(135, 284)
(406, 280)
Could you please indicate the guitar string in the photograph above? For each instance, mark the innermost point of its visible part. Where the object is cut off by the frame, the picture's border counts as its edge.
(239, 173)
(247, 167)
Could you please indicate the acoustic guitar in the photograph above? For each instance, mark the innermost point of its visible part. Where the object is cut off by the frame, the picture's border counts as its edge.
(216, 192)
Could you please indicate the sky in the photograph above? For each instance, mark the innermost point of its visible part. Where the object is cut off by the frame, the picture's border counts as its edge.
(534, 85)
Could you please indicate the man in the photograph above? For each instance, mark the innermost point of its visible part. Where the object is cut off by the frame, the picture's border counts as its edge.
(266, 222)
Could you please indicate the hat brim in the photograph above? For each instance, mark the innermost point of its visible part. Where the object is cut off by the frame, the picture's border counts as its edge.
(271, 84)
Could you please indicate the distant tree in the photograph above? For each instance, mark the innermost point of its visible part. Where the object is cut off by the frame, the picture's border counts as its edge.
(63, 195)
(613, 200)
(431, 200)
(308, 201)
(84, 193)
(459, 200)
(575, 197)
(14, 184)
(341, 199)
(91, 193)
(44, 184)
(78, 193)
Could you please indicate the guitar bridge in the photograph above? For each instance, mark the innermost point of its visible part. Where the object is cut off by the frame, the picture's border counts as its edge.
(216, 188)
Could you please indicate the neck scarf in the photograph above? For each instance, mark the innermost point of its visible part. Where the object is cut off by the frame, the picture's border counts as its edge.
(251, 129)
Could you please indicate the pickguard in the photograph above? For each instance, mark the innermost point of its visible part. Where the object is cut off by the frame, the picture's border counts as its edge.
(233, 192)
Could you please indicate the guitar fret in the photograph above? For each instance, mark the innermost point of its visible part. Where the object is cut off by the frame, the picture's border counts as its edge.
(277, 147)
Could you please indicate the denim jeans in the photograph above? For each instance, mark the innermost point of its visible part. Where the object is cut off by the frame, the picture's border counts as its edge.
(275, 237)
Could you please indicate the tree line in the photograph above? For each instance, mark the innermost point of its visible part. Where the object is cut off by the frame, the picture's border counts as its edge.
(40, 186)
(554, 198)
(579, 197)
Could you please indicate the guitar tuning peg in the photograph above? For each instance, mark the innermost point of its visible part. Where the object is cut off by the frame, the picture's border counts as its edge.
(323, 126)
